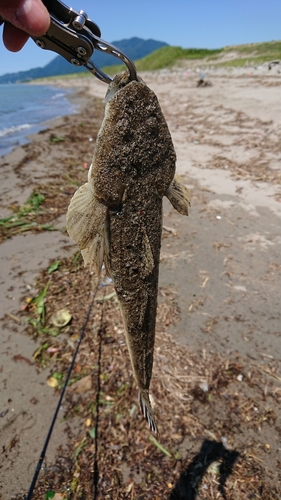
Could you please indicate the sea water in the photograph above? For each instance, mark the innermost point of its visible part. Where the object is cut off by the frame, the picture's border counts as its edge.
(24, 108)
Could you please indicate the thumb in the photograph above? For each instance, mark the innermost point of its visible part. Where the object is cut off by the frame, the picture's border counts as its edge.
(30, 16)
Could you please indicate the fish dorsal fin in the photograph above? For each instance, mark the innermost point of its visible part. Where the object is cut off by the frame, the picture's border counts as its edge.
(85, 217)
(179, 195)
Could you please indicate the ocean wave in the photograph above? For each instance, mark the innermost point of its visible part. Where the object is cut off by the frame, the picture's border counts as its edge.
(13, 129)
(58, 96)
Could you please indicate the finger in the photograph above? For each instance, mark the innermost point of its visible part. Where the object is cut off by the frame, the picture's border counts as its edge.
(14, 38)
(28, 15)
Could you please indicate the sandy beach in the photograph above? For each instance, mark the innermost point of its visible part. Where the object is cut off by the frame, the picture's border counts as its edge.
(219, 276)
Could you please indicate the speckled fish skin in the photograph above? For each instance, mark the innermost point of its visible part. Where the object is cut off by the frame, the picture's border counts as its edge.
(144, 173)
(133, 168)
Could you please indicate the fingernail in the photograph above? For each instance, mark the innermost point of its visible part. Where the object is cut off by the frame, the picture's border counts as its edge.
(33, 17)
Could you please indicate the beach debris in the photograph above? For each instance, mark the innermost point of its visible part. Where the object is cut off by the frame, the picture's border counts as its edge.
(20, 357)
(56, 138)
(82, 385)
(58, 496)
(198, 416)
(37, 305)
(13, 317)
(116, 217)
(271, 64)
(24, 217)
(170, 230)
(54, 267)
(159, 446)
(61, 318)
(203, 83)
(50, 495)
(106, 297)
(52, 382)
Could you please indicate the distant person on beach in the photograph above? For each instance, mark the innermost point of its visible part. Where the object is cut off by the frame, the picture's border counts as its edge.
(23, 18)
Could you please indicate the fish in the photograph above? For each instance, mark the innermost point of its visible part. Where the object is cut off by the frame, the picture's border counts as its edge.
(116, 217)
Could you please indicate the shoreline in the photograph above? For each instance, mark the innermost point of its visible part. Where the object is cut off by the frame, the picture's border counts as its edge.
(79, 97)
(22, 256)
(76, 102)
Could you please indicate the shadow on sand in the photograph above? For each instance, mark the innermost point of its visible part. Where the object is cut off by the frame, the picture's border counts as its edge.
(189, 480)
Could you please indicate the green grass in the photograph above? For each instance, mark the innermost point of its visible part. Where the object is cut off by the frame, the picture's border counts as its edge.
(24, 218)
(239, 63)
(165, 57)
(252, 54)
(264, 49)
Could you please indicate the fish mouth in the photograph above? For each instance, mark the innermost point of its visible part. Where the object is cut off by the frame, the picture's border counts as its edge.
(118, 83)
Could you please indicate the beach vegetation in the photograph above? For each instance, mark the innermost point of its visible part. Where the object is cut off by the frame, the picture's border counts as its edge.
(54, 267)
(38, 308)
(56, 138)
(27, 217)
(32, 204)
(250, 54)
(50, 494)
(165, 57)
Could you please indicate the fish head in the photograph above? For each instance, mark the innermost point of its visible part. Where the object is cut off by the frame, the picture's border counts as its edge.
(134, 152)
(119, 82)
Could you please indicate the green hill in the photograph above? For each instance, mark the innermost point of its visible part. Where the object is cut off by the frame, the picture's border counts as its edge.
(236, 55)
(250, 54)
(174, 57)
(166, 57)
(134, 48)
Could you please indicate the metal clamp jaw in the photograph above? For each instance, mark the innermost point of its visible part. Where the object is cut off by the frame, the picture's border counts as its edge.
(75, 37)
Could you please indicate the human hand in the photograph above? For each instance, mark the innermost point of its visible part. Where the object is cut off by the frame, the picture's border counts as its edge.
(22, 19)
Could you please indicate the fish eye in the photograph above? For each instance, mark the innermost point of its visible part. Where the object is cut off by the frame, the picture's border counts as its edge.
(116, 210)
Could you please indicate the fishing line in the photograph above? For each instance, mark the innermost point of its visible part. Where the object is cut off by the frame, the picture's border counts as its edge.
(42, 456)
(96, 441)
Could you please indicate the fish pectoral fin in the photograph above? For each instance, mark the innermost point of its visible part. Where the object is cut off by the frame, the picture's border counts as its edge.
(85, 221)
(94, 254)
(179, 195)
(146, 410)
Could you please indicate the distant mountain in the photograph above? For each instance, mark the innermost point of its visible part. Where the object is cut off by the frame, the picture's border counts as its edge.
(134, 48)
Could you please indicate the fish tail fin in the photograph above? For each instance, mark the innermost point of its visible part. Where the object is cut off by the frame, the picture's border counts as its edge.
(179, 195)
(147, 412)
(85, 222)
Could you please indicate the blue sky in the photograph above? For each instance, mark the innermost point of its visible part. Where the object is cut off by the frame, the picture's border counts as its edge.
(187, 23)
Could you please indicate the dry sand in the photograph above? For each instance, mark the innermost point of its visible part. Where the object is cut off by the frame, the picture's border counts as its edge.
(222, 263)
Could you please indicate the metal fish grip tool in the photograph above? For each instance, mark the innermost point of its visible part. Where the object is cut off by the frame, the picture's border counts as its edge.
(75, 37)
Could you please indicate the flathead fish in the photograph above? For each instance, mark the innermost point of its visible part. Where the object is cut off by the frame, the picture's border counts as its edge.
(116, 217)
